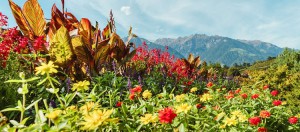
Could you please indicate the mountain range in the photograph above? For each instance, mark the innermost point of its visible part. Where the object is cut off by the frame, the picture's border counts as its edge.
(214, 49)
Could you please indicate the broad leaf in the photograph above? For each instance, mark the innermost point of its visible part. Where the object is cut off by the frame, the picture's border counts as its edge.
(56, 22)
(35, 17)
(19, 16)
(190, 58)
(60, 48)
(85, 29)
(81, 52)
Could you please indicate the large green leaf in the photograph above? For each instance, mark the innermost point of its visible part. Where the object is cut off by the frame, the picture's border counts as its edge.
(60, 47)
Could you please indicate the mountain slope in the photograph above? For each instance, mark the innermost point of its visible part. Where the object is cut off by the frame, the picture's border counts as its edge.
(221, 49)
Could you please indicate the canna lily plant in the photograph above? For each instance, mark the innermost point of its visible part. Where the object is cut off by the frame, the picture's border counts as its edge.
(78, 47)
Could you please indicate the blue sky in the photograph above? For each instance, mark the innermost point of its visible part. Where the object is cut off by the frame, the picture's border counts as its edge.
(274, 21)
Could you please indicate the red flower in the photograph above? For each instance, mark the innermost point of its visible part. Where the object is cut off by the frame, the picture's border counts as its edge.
(39, 43)
(166, 115)
(119, 104)
(131, 96)
(264, 114)
(276, 102)
(3, 20)
(266, 87)
(293, 120)
(244, 95)
(237, 91)
(198, 106)
(137, 89)
(254, 96)
(274, 92)
(209, 84)
(262, 129)
(254, 121)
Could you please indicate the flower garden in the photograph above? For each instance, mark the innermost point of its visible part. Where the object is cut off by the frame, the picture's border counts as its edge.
(68, 75)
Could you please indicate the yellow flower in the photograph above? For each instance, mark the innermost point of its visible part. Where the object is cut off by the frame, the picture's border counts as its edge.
(148, 118)
(236, 113)
(81, 86)
(95, 119)
(72, 108)
(223, 126)
(283, 103)
(85, 109)
(194, 89)
(220, 116)
(46, 68)
(242, 118)
(230, 121)
(147, 94)
(54, 114)
(206, 97)
(183, 108)
(180, 97)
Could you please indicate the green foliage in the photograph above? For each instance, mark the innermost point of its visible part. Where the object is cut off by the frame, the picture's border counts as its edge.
(7, 89)
(282, 74)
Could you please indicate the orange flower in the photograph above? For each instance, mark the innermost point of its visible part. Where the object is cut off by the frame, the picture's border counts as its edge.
(230, 96)
(237, 91)
(266, 87)
(209, 84)
(131, 96)
(264, 114)
(137, 89)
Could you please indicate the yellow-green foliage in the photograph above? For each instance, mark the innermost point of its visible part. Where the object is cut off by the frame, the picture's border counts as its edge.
(282, 75)
(60, 48)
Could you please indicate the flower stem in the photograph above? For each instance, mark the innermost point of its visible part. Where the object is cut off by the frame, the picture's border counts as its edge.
(51, 83)
(22, 111)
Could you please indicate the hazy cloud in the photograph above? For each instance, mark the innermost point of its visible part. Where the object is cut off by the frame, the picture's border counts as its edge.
(126, 10)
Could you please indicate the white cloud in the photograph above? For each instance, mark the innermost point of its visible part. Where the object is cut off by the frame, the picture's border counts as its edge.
(126, 10)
